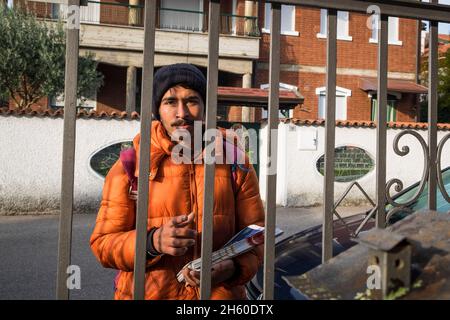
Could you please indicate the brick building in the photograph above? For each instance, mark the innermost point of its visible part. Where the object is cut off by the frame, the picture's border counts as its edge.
(303, 63)
(113, 32)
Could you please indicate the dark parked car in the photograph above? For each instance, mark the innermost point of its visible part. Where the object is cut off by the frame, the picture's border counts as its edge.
(302, 251)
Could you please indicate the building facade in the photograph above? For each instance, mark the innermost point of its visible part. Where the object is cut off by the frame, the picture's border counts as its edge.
(303, 63)
(113, 32)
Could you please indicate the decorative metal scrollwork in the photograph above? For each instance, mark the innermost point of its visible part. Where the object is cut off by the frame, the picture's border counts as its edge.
(440, 180)
(397, 182)
(395, 210)
(404, 206)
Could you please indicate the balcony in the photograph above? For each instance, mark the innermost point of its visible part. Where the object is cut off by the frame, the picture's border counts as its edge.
(197, 21)
(110, 13)
(114, 32)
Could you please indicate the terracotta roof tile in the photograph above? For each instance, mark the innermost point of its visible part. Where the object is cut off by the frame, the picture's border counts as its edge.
(59, 113)
(367, 124)
(444, 37)
(135, 116)
(443, 45)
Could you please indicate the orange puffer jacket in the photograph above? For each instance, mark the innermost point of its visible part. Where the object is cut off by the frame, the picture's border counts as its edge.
(175, 189)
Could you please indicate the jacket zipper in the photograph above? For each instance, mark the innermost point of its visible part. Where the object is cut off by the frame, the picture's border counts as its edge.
(194, 206)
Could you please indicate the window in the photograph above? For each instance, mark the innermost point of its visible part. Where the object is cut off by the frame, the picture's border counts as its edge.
(90, 14)
(184, 15)
(233, 19)
(85, 103)
(393, 25)
(352, 163)
(281, 113)
(342, 25)
(287, 20)
(391, 114)
(341, 102)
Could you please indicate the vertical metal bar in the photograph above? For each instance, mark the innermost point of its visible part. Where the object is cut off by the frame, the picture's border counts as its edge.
(272, 137)
(418, 65)
(144, 150)
(211, 112)
(330, 126)
(432, 111)
(382, 121)
(68, 156)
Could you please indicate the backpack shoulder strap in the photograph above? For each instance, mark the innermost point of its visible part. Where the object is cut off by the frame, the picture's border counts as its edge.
(235, 165)
(128, 159)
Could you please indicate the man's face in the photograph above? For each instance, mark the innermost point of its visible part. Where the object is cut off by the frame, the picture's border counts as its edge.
(179, 108)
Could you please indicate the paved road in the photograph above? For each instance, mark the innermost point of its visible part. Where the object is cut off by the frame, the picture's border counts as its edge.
(28, 264)
(29, 245)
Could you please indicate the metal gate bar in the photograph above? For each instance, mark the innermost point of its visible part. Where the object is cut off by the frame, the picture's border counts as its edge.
(144, 151)
(396, 8)
(272, 141)
(432, 112)
(68, 155)
(211, 112)
(382, 120)
(330, 133)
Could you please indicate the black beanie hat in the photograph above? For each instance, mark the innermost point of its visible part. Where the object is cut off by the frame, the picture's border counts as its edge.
(175, 74)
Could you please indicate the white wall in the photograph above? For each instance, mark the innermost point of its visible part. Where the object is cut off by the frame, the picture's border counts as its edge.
(300, 184)
(31, 151)
(31, 161)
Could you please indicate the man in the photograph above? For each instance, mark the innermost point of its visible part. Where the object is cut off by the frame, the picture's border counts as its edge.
(175, 204)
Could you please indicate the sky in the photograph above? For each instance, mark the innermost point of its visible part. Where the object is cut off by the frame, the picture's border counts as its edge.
(444, 28)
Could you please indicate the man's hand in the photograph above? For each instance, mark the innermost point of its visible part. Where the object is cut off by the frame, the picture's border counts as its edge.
(221, 272)
(175, 237)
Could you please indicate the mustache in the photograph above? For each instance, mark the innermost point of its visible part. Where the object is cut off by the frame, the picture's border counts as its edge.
(182, 122)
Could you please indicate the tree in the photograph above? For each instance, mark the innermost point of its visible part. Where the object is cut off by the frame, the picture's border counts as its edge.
(32, 60)
(443, 88)
(3, 97)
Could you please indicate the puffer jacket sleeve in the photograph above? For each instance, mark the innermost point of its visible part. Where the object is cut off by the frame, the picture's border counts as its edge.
(249, 210)
(113, 239)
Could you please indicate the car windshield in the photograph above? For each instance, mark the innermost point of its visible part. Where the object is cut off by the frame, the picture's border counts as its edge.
(422, 201)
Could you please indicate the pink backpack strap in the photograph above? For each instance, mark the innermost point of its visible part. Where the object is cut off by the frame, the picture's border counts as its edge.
(235, 165)
(128, 159)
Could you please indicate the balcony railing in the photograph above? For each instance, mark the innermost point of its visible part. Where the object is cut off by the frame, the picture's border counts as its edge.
(196, 21)
(167, 18)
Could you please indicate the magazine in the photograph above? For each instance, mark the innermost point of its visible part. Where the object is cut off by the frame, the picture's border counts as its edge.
(243, 241)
